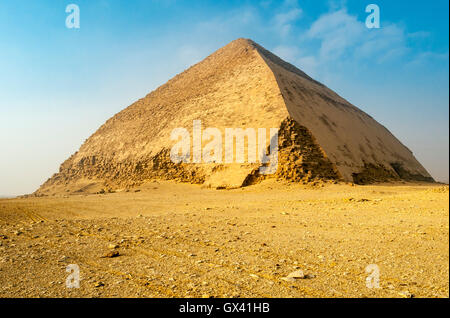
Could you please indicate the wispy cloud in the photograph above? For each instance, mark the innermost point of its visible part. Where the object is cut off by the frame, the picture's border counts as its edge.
(338, 33)
(288, 53)
(283, 21)
(342, 36)
(424, 58)
(286, 16)
(339, 38)
(334, 39)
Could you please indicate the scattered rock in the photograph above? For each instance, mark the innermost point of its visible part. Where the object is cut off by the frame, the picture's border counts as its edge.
(406, 294)
(64, 259)
(297, 275)
(99, 284)
(111, 254)
(113, 246)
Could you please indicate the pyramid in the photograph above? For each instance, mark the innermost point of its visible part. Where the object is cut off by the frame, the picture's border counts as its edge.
(321, 135)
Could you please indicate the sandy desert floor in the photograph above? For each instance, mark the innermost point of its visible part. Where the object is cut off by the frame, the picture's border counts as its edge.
(180, 240)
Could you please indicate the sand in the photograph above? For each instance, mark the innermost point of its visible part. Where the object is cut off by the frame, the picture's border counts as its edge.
(182, 240)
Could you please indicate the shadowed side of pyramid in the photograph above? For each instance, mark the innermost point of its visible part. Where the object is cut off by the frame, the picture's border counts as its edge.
(362, 150)
(242, 85)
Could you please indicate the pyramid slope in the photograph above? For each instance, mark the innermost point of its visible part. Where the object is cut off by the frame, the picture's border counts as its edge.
(352, 139)
(240, 85)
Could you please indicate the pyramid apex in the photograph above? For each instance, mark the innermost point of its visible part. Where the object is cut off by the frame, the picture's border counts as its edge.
(239, 85)
(241, 42)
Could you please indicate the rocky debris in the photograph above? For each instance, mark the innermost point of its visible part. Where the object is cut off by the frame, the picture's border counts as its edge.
(356, 200)
(300, 158)
(111, 254)
(443, 189)
(299, 274)
(64, 259)
(406, 294)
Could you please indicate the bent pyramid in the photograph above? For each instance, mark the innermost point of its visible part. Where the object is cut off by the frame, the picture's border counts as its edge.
(322, 136)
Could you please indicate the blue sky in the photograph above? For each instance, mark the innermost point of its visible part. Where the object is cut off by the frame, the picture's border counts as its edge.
(58, 85)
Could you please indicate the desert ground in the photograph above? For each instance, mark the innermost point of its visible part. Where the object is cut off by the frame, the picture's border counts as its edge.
(166, 239)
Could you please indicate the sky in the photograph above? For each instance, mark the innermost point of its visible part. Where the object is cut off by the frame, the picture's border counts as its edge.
(59, 84)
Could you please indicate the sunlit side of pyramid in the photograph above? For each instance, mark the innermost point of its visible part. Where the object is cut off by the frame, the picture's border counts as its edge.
(322, 136)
